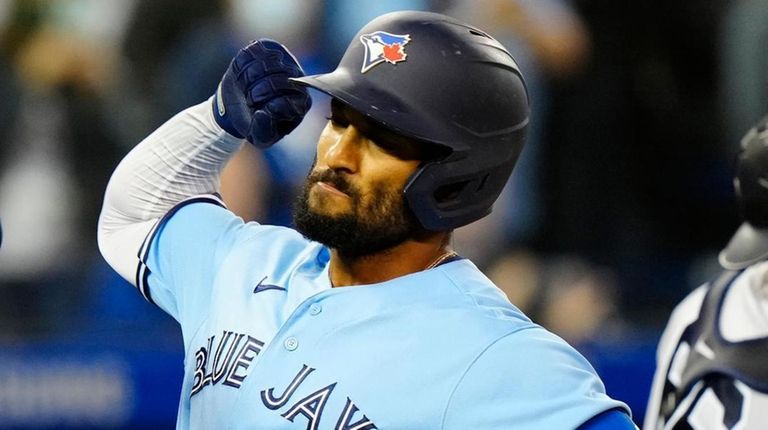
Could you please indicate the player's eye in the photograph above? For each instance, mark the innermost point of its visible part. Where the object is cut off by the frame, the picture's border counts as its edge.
(395, 147)
(338, 115)
(337, 120)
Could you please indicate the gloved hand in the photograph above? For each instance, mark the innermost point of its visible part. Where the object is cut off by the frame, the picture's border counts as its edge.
(254, 100)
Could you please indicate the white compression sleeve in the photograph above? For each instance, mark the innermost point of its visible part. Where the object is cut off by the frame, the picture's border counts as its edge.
(181, 159)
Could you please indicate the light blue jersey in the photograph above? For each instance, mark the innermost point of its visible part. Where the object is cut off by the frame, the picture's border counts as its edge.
(270, 345)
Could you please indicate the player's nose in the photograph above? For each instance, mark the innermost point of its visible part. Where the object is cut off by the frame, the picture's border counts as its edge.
(344, 152)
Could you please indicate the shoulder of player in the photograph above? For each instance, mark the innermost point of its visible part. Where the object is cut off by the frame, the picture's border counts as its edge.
(480, 295)
(688, 310)
(502, 330)
(684, 313)
(754, 277)
(250, 240)
(534, 339)
(210, 208)
(558, 384)
(275, 245)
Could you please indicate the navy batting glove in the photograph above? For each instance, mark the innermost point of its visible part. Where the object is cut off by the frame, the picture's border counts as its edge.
(255, 100)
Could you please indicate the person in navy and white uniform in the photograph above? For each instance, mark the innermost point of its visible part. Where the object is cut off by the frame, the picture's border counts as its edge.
(712, 359)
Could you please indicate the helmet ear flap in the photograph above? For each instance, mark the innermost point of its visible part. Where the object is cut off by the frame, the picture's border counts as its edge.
(455, 195)
(445, 196)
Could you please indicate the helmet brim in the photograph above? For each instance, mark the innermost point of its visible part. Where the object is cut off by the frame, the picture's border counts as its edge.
(381, 105)
(748, 245)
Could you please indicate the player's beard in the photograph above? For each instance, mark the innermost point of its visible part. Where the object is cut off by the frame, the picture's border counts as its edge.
(377, 221)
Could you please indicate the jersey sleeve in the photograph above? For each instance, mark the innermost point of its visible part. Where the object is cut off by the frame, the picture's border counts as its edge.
(181, 256)
(614, 419)
(529, 379)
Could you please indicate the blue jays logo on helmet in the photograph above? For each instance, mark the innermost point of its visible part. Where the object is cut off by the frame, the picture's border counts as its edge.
(381, 46)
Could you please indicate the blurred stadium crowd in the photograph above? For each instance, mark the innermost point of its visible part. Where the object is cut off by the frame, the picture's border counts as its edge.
(617, 209)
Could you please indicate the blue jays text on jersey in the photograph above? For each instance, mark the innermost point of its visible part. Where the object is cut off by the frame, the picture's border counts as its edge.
(228, 367)
(228, 364)
(271, 345)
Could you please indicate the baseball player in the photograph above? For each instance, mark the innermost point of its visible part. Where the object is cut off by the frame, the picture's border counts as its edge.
(712, 359)
(362, 317)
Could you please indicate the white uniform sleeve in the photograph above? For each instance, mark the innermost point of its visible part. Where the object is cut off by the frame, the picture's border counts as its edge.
(181, 159)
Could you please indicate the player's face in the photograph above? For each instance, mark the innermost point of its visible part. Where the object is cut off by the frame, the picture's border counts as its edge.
(353, 198)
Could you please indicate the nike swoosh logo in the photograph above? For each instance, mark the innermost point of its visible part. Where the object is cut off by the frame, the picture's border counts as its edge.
(264, 287)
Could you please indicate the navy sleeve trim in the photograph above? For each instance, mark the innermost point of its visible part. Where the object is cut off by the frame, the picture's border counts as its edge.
(612, 419)
(142, 270)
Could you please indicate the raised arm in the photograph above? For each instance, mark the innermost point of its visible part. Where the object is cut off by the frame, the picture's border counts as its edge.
(184, 157)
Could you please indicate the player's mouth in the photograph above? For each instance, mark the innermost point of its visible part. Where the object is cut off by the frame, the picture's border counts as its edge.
(330, 188)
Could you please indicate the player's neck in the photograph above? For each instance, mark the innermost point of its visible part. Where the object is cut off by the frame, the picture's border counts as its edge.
(408, 257)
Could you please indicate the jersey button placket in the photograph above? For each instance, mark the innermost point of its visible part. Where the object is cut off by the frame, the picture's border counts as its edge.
(291, 343)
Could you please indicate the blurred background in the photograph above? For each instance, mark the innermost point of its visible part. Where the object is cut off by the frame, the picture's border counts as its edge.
(618, 207)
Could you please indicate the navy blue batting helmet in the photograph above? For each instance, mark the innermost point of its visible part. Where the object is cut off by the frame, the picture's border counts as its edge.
(436, 80)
